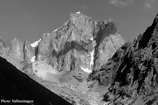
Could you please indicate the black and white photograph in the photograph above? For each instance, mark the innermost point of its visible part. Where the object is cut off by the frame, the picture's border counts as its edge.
(78, 52)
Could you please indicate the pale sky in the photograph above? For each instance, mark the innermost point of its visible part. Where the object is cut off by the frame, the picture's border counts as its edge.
(28, 19)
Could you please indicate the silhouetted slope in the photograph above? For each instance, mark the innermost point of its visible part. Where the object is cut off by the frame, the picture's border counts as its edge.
(17, 85)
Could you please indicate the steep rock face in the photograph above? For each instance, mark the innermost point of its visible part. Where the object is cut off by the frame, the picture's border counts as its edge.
(68, 41)
(131, 74)
(28, 51)
(81, 40)
(106, 49)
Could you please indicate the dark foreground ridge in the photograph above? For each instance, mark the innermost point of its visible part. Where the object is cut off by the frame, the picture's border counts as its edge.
(17, 85)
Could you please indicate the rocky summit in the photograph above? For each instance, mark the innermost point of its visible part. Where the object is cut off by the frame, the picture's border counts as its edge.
(131, 74)
(65, 58)
(80, 41)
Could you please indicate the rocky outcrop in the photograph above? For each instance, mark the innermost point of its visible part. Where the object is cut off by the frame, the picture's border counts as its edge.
(131, 75)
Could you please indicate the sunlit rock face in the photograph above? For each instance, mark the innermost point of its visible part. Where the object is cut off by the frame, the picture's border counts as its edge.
(80, 43)
(29, 52)
(131, 73)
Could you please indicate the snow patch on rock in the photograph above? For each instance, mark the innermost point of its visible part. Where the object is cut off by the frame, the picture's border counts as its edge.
(92, 58)
(78, 12)
(35, 44)
(87, 70)
(33, 59)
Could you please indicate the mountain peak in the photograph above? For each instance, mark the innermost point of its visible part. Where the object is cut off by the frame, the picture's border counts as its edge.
(156, 19)
(77, 48)
(150, 35)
